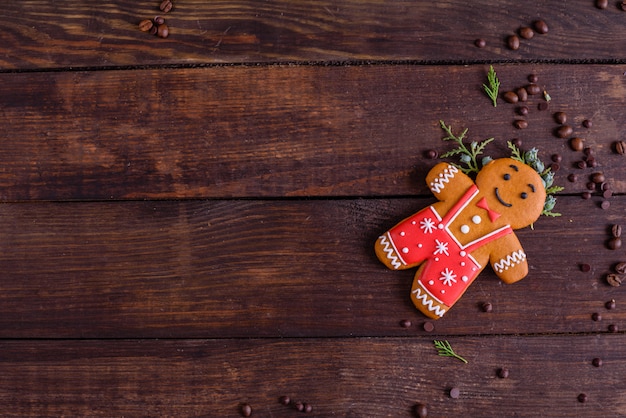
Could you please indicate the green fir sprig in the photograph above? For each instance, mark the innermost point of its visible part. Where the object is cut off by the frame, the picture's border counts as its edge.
(468, 156)
(445, 349)
(493, 87)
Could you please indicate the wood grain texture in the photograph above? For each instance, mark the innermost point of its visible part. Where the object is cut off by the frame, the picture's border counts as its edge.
(338, 377)
(281, 130)
(220, 269)
(46, 34)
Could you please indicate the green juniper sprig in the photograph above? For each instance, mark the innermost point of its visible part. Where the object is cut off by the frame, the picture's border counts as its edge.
(493, 87)
(468, 156)
(445, 349)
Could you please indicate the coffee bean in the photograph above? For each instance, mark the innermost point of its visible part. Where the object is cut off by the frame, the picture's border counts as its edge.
(543, 106)
(610, 304)
(532, 78)
(585, 268)
(616, 230)
(480, 43)
(541, 27)
(588, 151)
(587, 123)
(299, 406)
(607, 194)
(520, 124)
(533, 89)
(586, 195)
(284, 400)
(526, 32)
(431, 154)
(581, 164)
(307, 408)
(560, 117)
(576, 144)
(620, 268)
(597, 178)
(503, 373)
(510, 97)
(145, 25)
(556, 158)
(602, 4)
(591, 186)
(246, 410)
(564, 132)
(163, 31)
(572, 178)
(455, 393)
(614, 280)
(613, 328)
(582, 398)
(605, 205)
(158, 20)
(428, 326)
(623, 6)
(619, 147)
(597, 362)
(591, 162)
(513, 42)
(522, 94)
(405, 323)
(522, 110)
(166, 6)
(554, 167)
(487, 307)
(517, 142)
(605, 186)
(421, 411)
(596, 316)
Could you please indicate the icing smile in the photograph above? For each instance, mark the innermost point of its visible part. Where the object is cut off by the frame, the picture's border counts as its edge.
(508, 205)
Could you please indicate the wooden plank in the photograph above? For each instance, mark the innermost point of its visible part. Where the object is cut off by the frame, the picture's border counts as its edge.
(44, 34)
(280, 130)
(339, 377)
(276, 269)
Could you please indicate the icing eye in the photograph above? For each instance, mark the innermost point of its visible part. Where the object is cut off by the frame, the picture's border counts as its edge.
(524, 195)
(507, 177)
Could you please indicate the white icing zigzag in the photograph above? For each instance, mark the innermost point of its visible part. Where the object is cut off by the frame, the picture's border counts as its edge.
(388, 248)
(510, 261)
(428, 302)
(438, 185)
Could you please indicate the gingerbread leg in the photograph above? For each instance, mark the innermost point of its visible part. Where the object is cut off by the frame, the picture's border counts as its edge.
(424, 300)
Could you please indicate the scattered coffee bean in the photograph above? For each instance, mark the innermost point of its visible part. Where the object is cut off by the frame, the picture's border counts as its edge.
(522, 110)
(307, 408)
(284, 400)
(431, 154)
(605, 205)
(588, 151)
(597, 362)
(560, 117)
(620, 268)
(597, 178)
(614, 243)
(158, 20)
(605, 186)
(564, 132)
(623, 6)
(556, 158)
(596, 316)
(585, 268)
(541, 27)
(513, 42)
(166, 6)
(607, 194)
(299, 406)
(620, 147)
(610, 304)
(522, 94)
(487, 307)
(543, 106)
(145, 25)
(428, 326)
(581, 164)
(520, 124)
(554, 167)
(586, 195)
(163, 31)
(587, 123)
(591, 162)
(576, 144)
(532, 78)
(533, 89)
(602, 4)
(572, 178)
(503, 373)
(421, 411)
(582, 398)
(517, 142)
(591, 186)
(405, 323)
(480, 43)
(455, 393)
(246, 410)
(510, 97)
(614, 280)
(526, 32)
(613, 328)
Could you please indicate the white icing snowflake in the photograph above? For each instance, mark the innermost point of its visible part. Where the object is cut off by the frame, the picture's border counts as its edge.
(427, 225)
(442, 248)
(448, 277)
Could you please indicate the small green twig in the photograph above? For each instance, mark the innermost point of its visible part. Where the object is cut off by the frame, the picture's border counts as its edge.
(468, 156)
(445, 349)
(493, 87)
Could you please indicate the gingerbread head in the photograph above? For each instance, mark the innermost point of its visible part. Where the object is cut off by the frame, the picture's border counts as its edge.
(471, 225)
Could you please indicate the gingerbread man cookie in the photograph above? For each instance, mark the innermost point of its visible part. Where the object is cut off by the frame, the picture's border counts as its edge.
(471, 225)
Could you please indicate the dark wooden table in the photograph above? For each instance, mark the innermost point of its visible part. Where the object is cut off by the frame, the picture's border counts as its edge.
(188, 223)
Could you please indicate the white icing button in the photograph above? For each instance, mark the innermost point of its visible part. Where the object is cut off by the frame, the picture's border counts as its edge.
(443, 291)
(402, 233)
(419, 245)
(431, 282)
(413, 223)
(473, 268)
(405, 250)
(463, 253)
(436, 258)
(464, 229)
(462, 263)
(476, 219)
(464, 278)
(440, 226)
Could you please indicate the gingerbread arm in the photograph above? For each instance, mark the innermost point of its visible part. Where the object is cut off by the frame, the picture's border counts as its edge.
(447, 182)
(507, 258)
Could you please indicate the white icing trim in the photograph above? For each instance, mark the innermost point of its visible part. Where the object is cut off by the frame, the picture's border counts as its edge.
(428, 303)
(391, 251)
(437, 185)
(511, 260)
